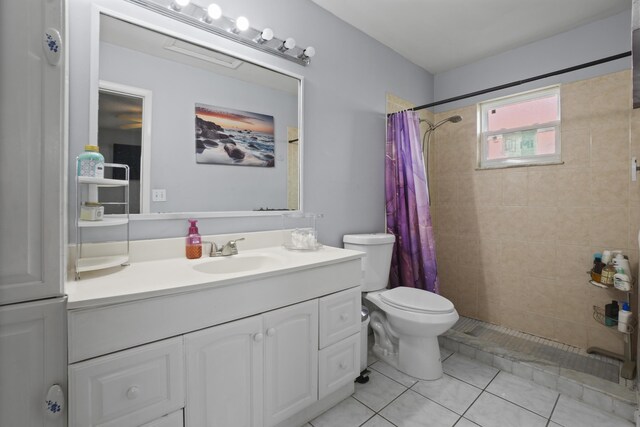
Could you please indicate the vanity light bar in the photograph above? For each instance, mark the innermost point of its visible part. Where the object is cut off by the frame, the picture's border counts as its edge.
(228, 28)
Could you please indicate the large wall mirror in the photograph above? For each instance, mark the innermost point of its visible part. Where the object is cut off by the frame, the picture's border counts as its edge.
(201, 130)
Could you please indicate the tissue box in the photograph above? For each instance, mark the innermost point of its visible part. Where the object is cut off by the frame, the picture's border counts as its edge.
(300, 232)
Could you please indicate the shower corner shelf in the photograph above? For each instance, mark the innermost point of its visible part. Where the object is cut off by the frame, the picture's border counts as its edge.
(628, 369)
(83, 264)
(601, 318)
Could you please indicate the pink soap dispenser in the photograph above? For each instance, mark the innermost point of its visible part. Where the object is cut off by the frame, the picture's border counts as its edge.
(194, 241)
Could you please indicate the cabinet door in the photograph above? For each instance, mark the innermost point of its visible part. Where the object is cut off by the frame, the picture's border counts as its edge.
(291, 360)
(31, 150)
(224, 375)
(32, 359)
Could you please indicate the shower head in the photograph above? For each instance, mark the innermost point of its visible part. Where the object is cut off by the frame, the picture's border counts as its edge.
(452, 119)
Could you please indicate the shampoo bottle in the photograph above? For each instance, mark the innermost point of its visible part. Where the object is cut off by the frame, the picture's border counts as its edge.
(624, 317)
(194, 241)
(611, 314)
(620, 261)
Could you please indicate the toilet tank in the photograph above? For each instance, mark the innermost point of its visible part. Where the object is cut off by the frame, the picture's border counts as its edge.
(377, 262)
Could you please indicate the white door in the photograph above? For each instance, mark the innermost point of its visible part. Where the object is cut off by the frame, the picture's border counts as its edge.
(224, 375)
(31, 149)
(32, 360)
(291, 360)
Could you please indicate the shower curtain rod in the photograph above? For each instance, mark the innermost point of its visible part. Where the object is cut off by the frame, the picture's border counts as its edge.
(520, 82)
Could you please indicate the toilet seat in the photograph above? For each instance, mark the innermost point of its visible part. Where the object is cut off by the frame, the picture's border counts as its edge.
(417, 301)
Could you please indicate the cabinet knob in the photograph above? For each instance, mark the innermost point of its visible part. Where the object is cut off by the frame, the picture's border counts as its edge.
(258, 337)
(344, 316)
(133, 392)
(343, 365)
(54, 402)
(271, 332)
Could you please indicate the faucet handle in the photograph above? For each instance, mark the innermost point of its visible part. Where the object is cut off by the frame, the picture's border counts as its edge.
(214, 248)
(231, 247)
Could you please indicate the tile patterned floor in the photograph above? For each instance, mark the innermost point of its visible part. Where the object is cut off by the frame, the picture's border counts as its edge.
(470, 394)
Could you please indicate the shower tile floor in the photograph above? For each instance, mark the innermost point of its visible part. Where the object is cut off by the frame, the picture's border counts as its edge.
(470, 394)
(534, 348)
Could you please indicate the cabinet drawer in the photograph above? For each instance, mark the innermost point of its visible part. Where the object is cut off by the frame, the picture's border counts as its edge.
(339, 316)
(175, 419)
(339, 364)
(128, 388)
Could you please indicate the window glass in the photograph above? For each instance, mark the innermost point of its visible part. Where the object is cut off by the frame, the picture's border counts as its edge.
(520, 129)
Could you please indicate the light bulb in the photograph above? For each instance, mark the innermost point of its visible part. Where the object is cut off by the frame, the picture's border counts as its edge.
(177, 5)
(214, 11)
(242, 23)
(309, 52)
(266, 35)
(289, 43)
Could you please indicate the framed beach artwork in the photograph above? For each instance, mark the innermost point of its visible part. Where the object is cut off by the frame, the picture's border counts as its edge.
(232, 137)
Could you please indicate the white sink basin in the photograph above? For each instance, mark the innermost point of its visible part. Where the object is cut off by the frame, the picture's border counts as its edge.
(238, 264)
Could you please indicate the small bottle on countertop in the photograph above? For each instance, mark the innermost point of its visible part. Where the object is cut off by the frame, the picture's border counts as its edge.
(624, 317)
(194, 241)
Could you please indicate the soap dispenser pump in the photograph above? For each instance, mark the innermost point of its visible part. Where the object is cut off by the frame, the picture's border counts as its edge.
(194, 241)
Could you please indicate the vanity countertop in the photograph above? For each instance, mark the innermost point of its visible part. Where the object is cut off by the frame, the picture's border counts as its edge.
(153, 278)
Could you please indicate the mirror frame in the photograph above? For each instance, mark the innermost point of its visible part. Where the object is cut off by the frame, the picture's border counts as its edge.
(137, 15)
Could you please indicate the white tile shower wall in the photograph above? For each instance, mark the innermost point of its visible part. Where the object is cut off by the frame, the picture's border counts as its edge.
(514, 245)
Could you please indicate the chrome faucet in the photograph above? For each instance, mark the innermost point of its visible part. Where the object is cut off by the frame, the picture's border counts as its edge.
(228, 249)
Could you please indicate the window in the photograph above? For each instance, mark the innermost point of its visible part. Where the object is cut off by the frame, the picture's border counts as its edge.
(522, 129)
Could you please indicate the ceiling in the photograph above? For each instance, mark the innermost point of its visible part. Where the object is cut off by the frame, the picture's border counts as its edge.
(440, 35)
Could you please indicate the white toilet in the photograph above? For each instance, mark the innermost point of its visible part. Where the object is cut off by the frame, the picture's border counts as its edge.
(407, 326)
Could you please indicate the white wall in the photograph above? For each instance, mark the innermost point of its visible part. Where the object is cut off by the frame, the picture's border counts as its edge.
(344, 110)
(193, 187)
(590, 42)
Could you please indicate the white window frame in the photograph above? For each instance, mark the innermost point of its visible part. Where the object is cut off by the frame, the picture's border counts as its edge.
(483, 135)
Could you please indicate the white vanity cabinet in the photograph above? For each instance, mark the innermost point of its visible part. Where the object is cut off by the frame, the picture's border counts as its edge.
(128, 388)
(226, 366)
(276, 350)
(290, 360)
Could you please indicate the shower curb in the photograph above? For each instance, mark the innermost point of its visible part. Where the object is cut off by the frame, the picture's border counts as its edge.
(602, 394)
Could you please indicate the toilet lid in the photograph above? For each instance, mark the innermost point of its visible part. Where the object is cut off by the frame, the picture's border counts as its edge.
(416, 300)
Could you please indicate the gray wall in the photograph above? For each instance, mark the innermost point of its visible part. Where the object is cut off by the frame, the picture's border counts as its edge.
(344, 113)
(176, 88)
(599, 39)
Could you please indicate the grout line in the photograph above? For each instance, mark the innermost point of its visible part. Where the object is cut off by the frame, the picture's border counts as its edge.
(472, 403)
(381, 416)
(467, 420)
(554, 408)
(364, 404)
(367, 420)
(393, 400)
(523, 407)
(452, 353)
(494, 377)
(396, 381)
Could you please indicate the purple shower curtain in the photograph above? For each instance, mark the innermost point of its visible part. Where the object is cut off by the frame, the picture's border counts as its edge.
(408, 215)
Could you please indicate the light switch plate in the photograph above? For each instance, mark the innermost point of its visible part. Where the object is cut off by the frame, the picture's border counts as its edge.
(159, 195)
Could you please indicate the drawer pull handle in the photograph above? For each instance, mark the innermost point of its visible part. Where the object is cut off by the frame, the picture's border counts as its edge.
(344, 317)
(343, 365)
(133, 392)
(258, 337)
(271, 332)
